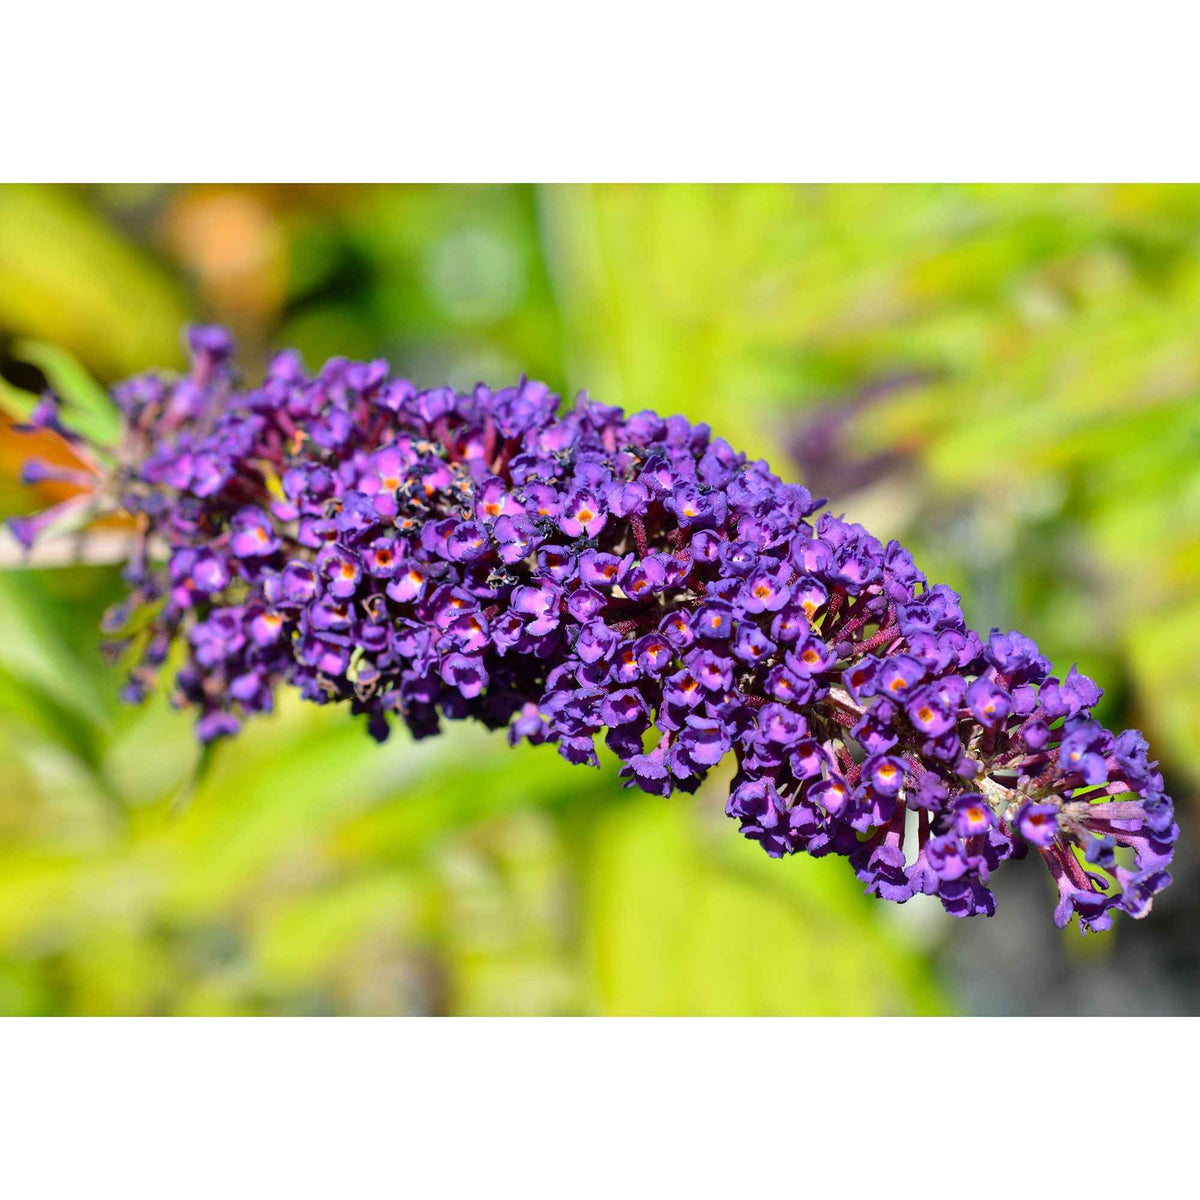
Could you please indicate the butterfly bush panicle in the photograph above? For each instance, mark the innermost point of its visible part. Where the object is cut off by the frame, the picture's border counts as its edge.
(569, 575)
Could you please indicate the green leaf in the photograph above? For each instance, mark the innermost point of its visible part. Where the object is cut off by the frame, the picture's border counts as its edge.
(182, 800)
(677, 927)
(15, 402)
(1164, 650)
(87, 408)
(40, 712)
(35, 651)
(69, 277)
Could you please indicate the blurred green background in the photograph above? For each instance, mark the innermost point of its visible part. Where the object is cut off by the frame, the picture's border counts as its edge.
(1007, 378)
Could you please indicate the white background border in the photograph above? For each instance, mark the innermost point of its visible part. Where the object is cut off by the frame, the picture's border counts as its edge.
(622, 91)
(461, 92)
(886, 1109)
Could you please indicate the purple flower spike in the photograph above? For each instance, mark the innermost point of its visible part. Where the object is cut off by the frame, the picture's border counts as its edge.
(569, 572)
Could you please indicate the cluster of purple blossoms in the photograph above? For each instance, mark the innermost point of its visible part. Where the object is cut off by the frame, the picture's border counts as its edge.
(572, 574)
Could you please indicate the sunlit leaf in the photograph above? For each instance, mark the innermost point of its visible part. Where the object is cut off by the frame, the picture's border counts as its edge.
(70, 278)
(675, 930)
(87, 408)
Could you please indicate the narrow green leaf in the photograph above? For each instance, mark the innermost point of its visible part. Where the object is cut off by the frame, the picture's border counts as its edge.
(87, 408)
(15, 402)
(676, 930)
(182, 800)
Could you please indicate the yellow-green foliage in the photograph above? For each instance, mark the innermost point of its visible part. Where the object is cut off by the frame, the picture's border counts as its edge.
(1048, 467)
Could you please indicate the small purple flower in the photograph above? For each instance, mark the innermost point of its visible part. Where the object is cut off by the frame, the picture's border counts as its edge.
(209, 572)
(466, 673)
(211, 343)
(469, 541)
(625, 707)
(989, 703)
(539, 602)
(299, 582)
(644, 579)
(860, 679)
(808, 759)
(217, 724)
(585, 604)
(784, 684)
(556, 563)
(252, 534)
(266, 627)
(781, 725)
(898, 675)
(832, 795)
(678, 628)
(408, 583)
(973, 815)
(706, 740)
(493, 499)
(688, 505)
(766, 590)
(810, 657)
(754, 799)
(683, 689)
(1015, 656)
(469, 633)
(583, 515)
(341, 572)
(516, 538)
(885, 773)
(602, 570)
(1082, 749)
(929, 712)
(714, 620)
(654, 653)
(382, 558)
(596, 641)
(886, 876)
(811, 596)
(750, 644)
(1038, 823)
(946, 857)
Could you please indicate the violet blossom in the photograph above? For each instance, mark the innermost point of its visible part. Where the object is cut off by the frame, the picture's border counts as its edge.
(574, 574)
